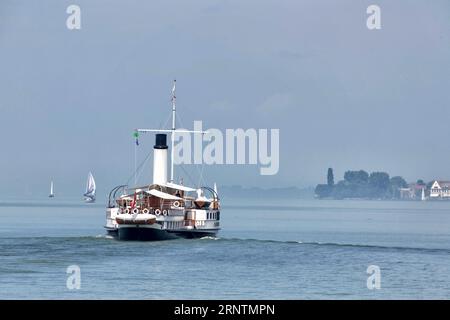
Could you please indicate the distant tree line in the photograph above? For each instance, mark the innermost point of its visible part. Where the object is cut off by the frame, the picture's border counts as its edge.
(361, 184)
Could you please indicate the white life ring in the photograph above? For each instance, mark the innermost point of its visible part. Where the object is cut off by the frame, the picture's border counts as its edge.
(145, 211)
(135, 211)
(164, 212)
(127, 211)
(176, 203)
(157, 212)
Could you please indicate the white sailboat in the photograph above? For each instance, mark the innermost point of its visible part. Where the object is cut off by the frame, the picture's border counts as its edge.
(89, 195)
(52, 194)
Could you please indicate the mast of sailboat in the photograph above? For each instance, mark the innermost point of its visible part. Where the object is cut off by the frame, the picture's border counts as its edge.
(174, 106)
(173, 131)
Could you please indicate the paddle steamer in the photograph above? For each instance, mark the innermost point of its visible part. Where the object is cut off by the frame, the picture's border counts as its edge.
(163, 209)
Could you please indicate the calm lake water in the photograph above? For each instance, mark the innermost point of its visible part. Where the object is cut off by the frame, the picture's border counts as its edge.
(271, 249)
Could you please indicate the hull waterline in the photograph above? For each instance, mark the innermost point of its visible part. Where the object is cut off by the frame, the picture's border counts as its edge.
(139, 233)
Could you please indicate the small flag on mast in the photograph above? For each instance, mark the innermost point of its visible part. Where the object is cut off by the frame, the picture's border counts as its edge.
(136, 135)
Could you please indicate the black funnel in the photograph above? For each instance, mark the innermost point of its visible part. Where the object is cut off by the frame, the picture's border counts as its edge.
(160, 141)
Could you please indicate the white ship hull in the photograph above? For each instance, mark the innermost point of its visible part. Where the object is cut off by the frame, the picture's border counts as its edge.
(148, 227)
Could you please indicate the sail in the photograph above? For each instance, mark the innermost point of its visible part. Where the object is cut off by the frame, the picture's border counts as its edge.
(90, 186)
(51, 190)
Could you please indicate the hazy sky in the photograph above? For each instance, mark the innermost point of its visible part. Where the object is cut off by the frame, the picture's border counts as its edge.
(341, 95)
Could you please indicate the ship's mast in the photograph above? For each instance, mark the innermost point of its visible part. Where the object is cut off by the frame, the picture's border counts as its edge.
(173, 131)
(174, 106)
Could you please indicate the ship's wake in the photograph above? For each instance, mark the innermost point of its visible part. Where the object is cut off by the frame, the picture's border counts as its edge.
(329, 244)
(230, 241)
(209, 238)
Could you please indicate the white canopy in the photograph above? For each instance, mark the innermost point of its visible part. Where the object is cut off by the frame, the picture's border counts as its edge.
(179, 187)
(126, 197)
(163, 195)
